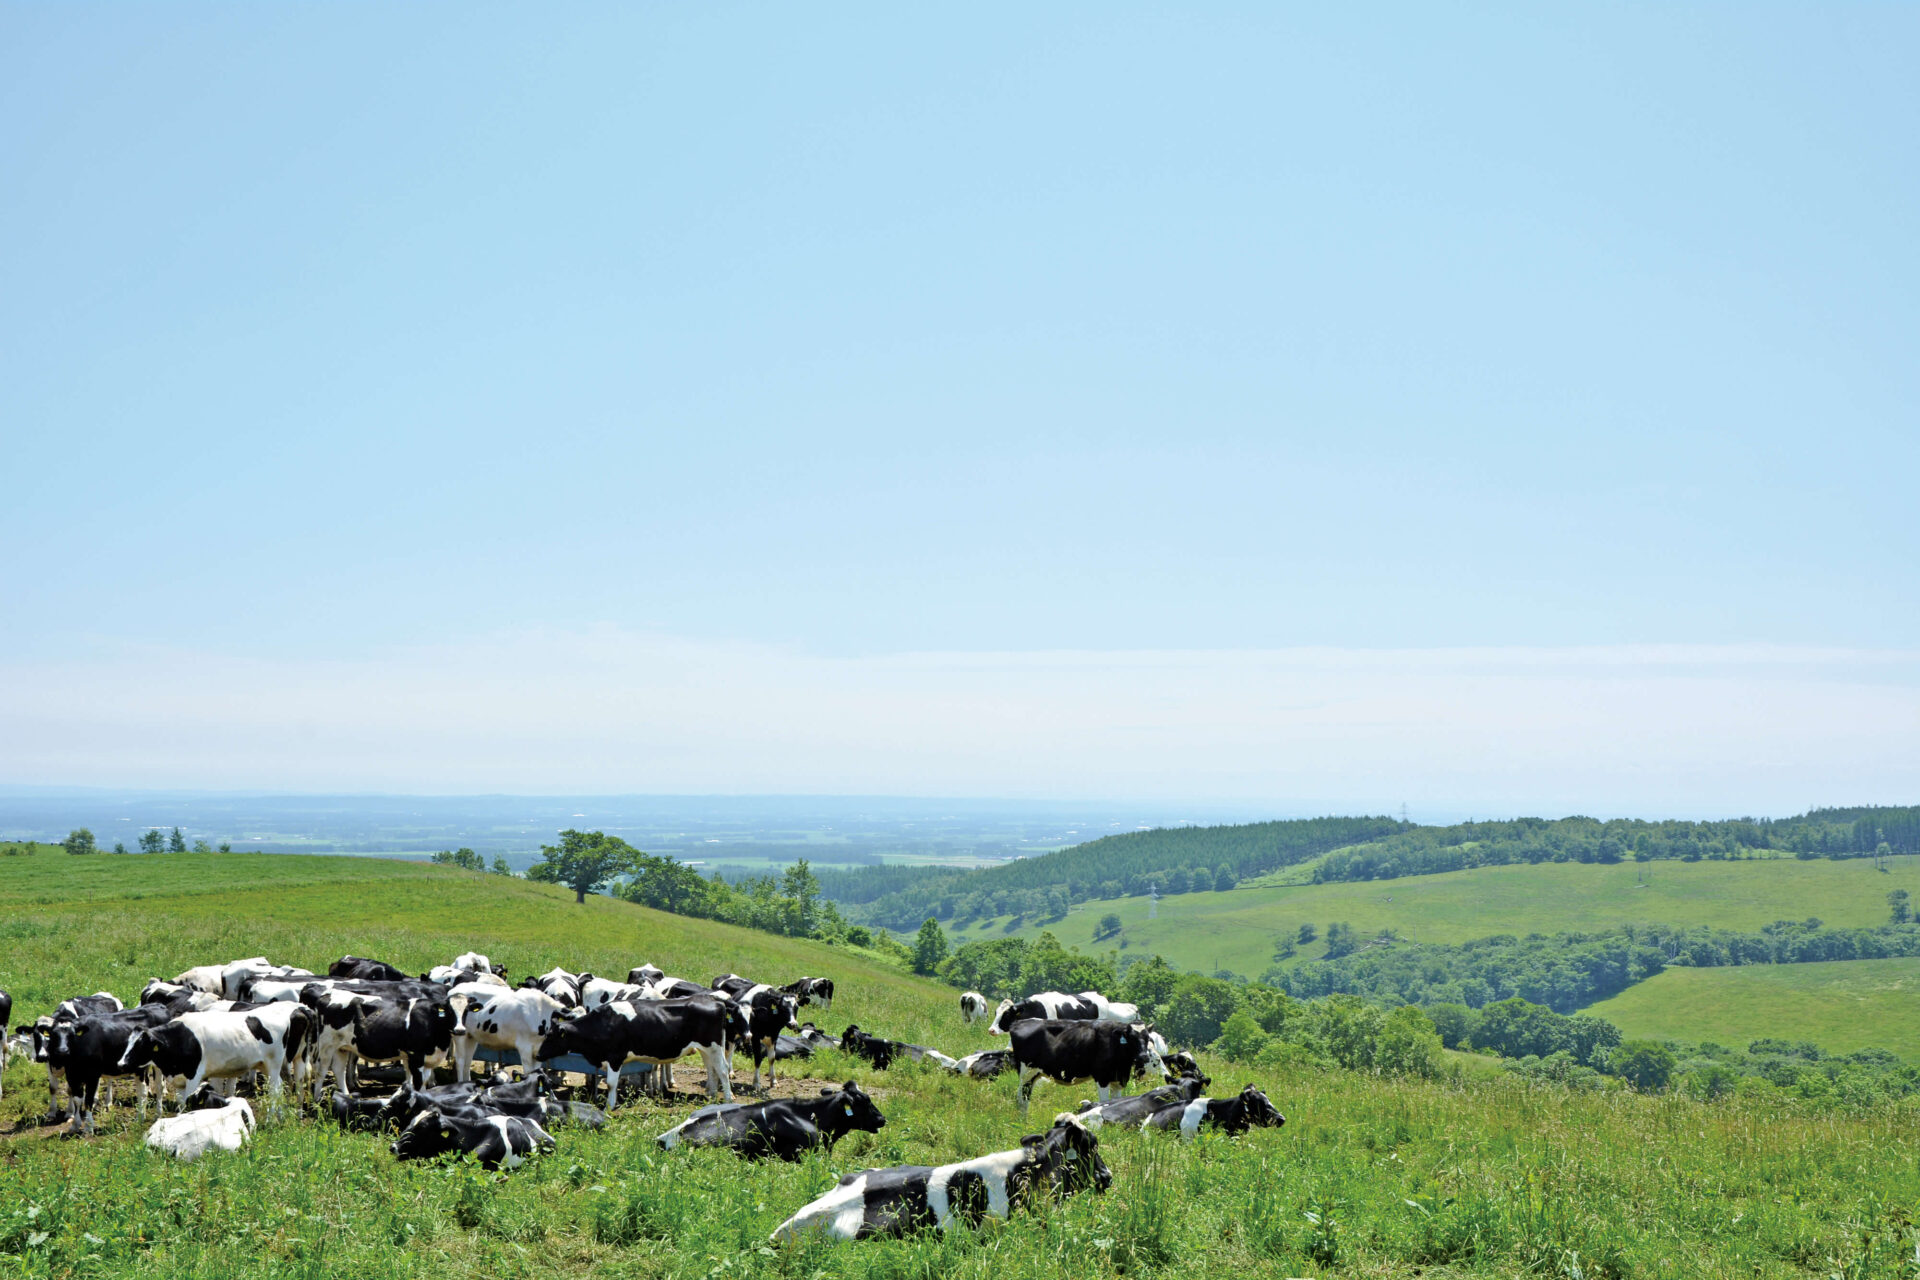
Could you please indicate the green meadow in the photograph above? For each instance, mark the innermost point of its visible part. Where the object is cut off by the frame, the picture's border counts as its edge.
(1841, 1006)
(1237, 929)
(1377, 1177)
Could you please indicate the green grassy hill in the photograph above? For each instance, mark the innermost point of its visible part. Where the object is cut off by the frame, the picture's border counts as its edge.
(1237, 929)
(1378, 1177)
(1841, 1006)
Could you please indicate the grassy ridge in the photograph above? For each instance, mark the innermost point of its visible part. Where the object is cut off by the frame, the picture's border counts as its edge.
(1371, 1177)
(1841, 1006)
(1237, 929)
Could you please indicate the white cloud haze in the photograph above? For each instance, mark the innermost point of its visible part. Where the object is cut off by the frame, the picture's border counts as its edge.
(1628, 729)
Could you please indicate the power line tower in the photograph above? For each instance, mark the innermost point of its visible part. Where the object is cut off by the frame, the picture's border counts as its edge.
(1403, 811)
(1153, 902)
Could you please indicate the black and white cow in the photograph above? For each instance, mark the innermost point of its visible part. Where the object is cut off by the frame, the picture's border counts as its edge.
(783, 1127)
(814, 1038)
(414, 1032)
(365, 969)
(984, 1065)
(645, 975)
(6, 1017)
(1251, 1109)
(1057, 1006)
(225, 1126)
(769, 1012)
(1131, 1113)
(1107, 1053)
(973, 1006)
(493, 1017)
(595, 992)
(233, 977)
(70, 1010)
(561, 985)
(493, 1140)
(88, 1049)
(198, 1047)
(812, 991)
(660, 1032)
(898, 1201)
(528, 1098)
(474, 962)
(665, 988)
(883, 1053)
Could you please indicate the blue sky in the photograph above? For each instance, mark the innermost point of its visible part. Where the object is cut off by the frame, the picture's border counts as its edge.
(339, 345)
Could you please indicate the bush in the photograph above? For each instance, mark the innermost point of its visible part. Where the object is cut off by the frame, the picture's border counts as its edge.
(1241, 1039)
(1408, 1044)
(1647, 1066)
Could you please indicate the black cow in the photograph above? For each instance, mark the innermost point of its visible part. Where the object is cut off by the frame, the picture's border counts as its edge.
(368, 970)
(1131, 1113)
(657, 1031)
(90, 1048)
(875, 1049)
(885, 1202)
(493, 1140)
(529, 1098)
(1107, 1053)
(784, 1127)
(812, 991)
(786, 1047)
(415, 1031)
(70, 1010)
(1251, 1109)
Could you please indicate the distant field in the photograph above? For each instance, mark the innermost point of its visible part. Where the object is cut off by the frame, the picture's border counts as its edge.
(1236, 930)
(1842, 1006)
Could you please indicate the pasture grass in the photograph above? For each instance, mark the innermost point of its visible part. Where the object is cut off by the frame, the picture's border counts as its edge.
(1371, 1177)
(1237, 929)
(1842, 1005)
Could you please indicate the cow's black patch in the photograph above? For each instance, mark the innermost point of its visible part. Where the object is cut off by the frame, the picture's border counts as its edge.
(259, 1030)
(967, 1197)
(896, 1201)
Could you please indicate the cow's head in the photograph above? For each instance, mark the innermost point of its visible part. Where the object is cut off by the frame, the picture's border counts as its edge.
(152, 1044)
(1068, 1156)
(1258, 1110)
(790, 1011)
(1184, 1067)
(1148, 1060)
(426, 1135)
(1002, 1018)
(853, 1109)
(158, 990)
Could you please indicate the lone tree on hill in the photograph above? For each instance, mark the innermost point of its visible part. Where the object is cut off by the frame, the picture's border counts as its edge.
(151, 841)
(584, 861)
(929, 948)
(80, 840)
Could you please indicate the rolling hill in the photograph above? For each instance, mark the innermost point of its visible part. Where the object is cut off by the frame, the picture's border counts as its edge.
(1368, 1177)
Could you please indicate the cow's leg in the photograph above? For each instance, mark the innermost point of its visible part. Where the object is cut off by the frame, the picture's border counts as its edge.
(1105, 1092)
(715, 1056)
(109, 1102)
(613, 1086)
(1028, 1076)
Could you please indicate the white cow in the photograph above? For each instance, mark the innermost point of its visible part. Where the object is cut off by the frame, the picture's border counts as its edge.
(192, 1135)
(198, 1047)
(485, 1016)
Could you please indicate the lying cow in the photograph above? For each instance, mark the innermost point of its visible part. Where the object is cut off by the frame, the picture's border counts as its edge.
(882, 1052)
(1057, 1006)
(784, 1127)
(1107, 1053)
(194, 1133)
(527, 1098)
(660, 1032)
(973, 1006)
(984, 1065)
(1251, 1109)
(1131, 1113)
(885, 1202)
(493, 1140)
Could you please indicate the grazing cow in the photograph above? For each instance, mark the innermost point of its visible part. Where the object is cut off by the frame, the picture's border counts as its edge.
(784, 1127)
(222, 1046)
(984, 1065)
(194, 1133)
(1107, 1053)
(6, 1016)
(1251, 1109)
(885, 1202)
(812, 991)
(499, 1018)
(660, 1032)
(1131, 1113)
(366, 970)
(973, 1006)
(1057, 1006)
(493, 1140)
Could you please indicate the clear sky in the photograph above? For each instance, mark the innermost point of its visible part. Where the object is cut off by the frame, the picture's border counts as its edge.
(1512, 408)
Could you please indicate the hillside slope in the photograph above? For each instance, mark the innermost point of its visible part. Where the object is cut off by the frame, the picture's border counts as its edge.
(1369, 1177)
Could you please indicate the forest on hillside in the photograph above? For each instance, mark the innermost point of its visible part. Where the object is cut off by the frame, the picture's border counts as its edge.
(1190, 859)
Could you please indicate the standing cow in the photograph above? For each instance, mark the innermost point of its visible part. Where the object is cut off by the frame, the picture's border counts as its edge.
(658, 1032)
(6, 1016)
(973, 1006)
(1107, 1053)
(1057, 1006)
(494, 1017)
(198, 1047)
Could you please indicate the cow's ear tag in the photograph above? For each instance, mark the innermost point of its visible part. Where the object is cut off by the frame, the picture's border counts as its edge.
(849, 1111)
(1123, 1039)
(446, 1133)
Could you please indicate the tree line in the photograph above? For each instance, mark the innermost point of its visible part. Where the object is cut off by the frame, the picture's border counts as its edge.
(81, 841)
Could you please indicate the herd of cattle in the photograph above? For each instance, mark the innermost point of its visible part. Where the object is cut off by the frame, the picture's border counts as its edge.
(216, 1033)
